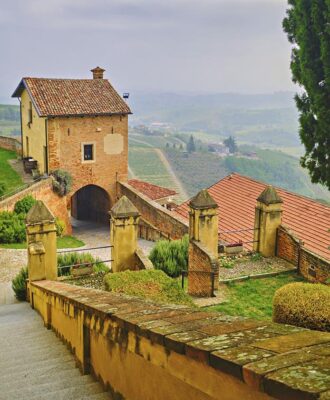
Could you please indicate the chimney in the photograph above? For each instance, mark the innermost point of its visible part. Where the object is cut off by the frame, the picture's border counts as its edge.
(97, 73)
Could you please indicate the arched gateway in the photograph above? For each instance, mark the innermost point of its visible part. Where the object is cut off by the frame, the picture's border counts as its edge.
(91, 203)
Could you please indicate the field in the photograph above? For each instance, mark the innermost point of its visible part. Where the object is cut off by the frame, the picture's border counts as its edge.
(254, 298)
(7, 175)
(65, 242)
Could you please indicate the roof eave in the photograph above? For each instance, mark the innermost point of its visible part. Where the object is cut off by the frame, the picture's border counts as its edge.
(84, 115)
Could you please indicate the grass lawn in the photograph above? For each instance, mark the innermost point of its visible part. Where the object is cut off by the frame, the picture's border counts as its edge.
(65, 242)
(8, 176)
(254, 297)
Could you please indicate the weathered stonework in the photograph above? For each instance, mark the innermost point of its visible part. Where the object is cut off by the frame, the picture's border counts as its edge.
(145, 350)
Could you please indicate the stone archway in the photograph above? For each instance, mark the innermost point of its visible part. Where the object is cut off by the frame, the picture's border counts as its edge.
(91, 203)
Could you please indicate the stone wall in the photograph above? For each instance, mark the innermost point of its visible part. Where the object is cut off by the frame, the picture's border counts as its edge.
(313, 267)
(162, 219)
(42, 190)
(143, 350)
(203, 271)
(142, 261)
(12, 144)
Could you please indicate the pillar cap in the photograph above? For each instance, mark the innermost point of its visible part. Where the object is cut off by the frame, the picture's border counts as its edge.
(269, 196)
(39, 214)
(203, 200)
(124, 208)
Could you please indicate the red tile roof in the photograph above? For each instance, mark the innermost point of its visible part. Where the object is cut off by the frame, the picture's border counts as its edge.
(236, 197)
(154, 192)
(69, 97)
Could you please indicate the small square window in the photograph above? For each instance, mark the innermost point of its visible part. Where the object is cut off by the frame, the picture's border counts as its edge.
(88, 152)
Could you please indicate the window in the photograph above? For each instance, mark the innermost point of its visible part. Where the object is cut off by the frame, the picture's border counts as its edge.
(88, 152)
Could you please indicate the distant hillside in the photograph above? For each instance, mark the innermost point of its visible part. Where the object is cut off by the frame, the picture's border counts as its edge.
(200, 170)
(265, 120)
(9, 120)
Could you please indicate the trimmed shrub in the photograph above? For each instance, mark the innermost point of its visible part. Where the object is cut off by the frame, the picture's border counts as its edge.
(24, 205)
(62, 182)
(60, 227)
(12, 227)
(78, 258)
(3, 188)
(171, 257)
(303, 304)
(19, 285)
(147, 284)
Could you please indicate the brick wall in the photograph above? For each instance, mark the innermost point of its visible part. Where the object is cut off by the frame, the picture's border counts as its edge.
(12, 144)
(169, 225)
(311, 266)
(202, 266)
(108, 134)
(42, 191)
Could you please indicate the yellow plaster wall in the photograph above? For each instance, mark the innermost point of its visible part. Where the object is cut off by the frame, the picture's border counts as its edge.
(131, 366)
(36, 132)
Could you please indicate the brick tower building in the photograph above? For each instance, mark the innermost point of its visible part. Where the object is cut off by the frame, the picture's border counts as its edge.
(80, 126)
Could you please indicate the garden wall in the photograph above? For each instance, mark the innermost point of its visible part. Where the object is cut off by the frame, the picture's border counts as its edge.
(203, 273)
(143, 350)
(42, 190)
(311, 266)
(9, 143)
(153, 213)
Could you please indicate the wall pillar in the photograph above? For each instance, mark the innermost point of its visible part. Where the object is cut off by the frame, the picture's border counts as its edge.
(203, 267)
(124, 220)
(268, 217)
(41, 243)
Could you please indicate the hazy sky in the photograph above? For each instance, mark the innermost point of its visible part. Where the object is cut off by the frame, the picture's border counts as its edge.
(163, 45)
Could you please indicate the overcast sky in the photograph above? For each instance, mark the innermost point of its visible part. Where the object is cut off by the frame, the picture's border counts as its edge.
(148, 45)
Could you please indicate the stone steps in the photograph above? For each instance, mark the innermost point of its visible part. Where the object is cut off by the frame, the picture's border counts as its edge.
(35, 364)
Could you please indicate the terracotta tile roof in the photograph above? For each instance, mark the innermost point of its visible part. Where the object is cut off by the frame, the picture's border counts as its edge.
(63, 97)
(236, 197)
(154, 192)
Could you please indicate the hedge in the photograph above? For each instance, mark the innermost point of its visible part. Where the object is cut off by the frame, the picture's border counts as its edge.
(303, 304)
(171, 256)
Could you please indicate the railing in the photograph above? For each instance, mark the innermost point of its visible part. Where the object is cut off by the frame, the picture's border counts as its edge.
(84, 249)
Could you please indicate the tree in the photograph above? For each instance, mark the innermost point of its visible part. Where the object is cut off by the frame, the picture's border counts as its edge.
(231, 144)
(191, 145)
(308, 28)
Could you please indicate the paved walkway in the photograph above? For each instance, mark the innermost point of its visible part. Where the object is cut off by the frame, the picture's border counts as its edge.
(35, 364)
(93, 235)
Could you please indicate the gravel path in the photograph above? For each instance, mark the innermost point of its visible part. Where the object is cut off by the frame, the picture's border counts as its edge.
(248, 267)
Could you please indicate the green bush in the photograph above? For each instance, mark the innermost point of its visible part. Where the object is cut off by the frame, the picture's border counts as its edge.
(147, 284)
(78, 258)
(60, 227)
(3, 188)
(24, 205)
(19, 285)
(303, 304)
(12, 227)
(171, 257)
(62, 182)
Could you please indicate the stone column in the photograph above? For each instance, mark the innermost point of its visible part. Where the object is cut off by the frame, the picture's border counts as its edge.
(203, 246)
(124, 220)
(41, 242)
(268, 217)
